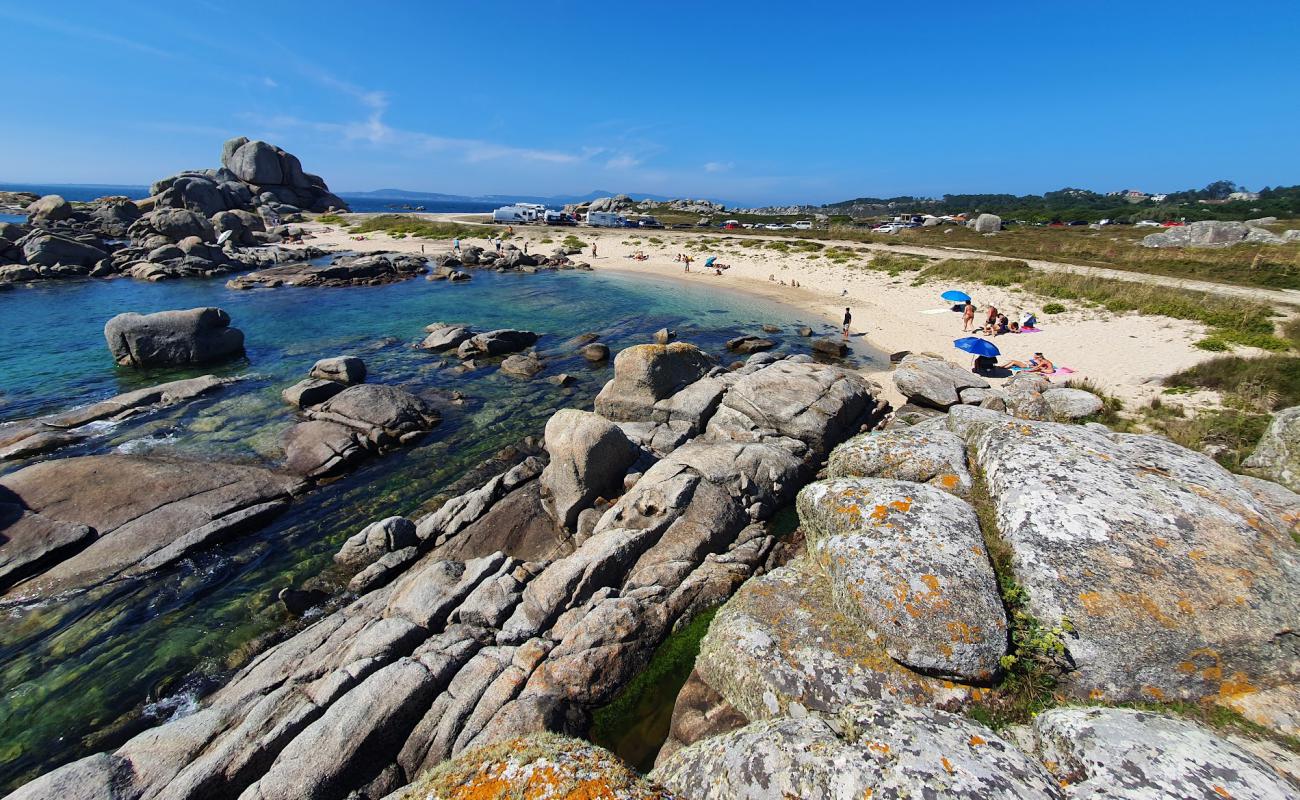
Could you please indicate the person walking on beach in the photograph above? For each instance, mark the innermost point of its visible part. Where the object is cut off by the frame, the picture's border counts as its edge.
(968, 316)
(525, 247)
(848, 320)
(455, 245)
(497, 242)
(593, 249)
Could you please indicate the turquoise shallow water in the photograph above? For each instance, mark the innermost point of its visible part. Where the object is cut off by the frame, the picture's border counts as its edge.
(83, 673)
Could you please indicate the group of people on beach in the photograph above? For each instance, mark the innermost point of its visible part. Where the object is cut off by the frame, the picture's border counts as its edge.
(996, 323)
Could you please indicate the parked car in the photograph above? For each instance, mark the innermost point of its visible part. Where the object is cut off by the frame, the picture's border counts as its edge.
(731, 225)
(889, 227)
(802, 225)
(1146, 223)
(774, 226)
(681, 226)
(1074, 223)
(649, 222)
(1172, 224)
(604, 219)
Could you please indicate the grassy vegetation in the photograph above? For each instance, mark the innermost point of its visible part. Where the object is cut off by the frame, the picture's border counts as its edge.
(1232, 321)
(1037, 658)
(635, 723)
(1110, 406)
(331, 219)
(409, 225)
(573, 242)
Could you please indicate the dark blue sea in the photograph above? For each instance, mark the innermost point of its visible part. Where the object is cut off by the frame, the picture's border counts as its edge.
(367, 203)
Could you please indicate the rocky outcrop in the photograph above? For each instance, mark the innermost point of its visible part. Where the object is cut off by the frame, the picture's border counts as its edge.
(358, 422)
(1215, 233)
(875, 750)
(1071, 404)
(173, 338)
(1277, 456)
(645, 374)
(931, 381)
(440, 656)
(1124, 753)
(985, 223)
(589, 455)
(535, 766)
(1084, 510)
(495, 343)
(347, 370)
(445, 337)
(36, 436)
(749, 344)
(377, 540)
(908, 562)
(935, 457)
(78, 522)
(372, 269)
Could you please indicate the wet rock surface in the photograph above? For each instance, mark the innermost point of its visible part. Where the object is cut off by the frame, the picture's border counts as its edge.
(173, 338)
(354, 424)
(371, 269)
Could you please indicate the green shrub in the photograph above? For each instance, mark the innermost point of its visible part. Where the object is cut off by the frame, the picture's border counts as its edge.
(1214, 344)
(1053, 308)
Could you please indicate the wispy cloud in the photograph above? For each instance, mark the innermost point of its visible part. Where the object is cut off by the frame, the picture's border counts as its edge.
(77, 31)
(623, 161)
(718, 166)
(269, 82)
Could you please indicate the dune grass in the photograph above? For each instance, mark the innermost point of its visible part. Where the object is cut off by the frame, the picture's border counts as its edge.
(1231, 321)
(409, 225)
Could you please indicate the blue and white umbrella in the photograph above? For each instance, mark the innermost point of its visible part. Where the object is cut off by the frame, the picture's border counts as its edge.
(954, 296)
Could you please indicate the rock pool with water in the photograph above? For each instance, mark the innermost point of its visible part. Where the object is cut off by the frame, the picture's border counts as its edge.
(81, 673)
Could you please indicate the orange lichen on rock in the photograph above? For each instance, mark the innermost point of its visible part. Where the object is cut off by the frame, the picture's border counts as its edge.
(976, 740)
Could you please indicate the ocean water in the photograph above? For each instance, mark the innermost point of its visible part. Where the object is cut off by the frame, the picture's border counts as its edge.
(391, 205)
(85, 672)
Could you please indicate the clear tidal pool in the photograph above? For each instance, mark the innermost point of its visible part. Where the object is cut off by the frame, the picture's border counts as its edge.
(82, 673)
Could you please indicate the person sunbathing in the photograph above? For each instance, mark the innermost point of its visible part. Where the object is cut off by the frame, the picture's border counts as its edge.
(1039, 364)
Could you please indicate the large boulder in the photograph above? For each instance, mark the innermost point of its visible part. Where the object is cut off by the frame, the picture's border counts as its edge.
(1071, 404)
(179, 223)
(589, 457)
(1277, 456)
(542, 765)
(986, 223)
(173, 338)
(347, 370)
(362, 420)
(931, 381)
(881, 750)
(495, 343)
(376, 540)
(255, 162)
(1128, 754)
(908, 562)
(445, 337)
(1176, 581)
(783, 645)
(50, 208)
(647, 373)
(936, 457)
(1206, 233)
(49, 249)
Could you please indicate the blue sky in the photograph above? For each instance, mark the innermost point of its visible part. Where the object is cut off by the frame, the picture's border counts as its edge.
(751, 102)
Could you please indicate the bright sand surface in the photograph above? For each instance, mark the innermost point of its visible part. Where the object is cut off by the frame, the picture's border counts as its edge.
(1127, 355)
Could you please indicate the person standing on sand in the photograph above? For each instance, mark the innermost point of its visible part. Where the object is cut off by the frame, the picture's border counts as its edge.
(848, 320)
(968, 316)
(455, 245)
(525, 247)
(593, 249)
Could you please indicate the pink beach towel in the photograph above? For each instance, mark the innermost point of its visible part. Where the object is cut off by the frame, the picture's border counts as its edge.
(1057, 371)
(1031, 330)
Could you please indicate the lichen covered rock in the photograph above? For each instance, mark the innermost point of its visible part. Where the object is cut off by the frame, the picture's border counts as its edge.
(924, 456)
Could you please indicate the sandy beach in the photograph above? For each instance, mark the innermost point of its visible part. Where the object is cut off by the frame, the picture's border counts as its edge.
(1127, 355)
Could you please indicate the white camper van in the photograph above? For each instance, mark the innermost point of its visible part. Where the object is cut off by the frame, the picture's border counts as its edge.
(510, 214)
(802, 225)
(604, 219)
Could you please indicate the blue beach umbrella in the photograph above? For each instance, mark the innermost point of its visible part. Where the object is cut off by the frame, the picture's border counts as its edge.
(954, 296)
(980, 347)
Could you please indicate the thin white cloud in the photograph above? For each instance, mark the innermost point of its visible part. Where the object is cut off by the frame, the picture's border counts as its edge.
(623, 161)
(63, 28)
(269, 82)
(718, 166)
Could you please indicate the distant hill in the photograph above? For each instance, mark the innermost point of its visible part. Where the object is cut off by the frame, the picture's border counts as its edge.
(405, 194)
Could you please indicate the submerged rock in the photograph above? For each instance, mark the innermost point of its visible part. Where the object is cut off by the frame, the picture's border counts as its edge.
(144, 512)
(347, 370)
(445, 337)
(495, 343)
(173, 338)
(359, 421)
(372, 269)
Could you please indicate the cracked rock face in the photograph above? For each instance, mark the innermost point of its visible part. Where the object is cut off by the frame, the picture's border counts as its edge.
(438, 656)
(882, 750)
(936, 457)
(1277, 457)
(931, 381)
(1136, 755)
(1178, 581)
(359, 421)
(908, 562)
(173, 338)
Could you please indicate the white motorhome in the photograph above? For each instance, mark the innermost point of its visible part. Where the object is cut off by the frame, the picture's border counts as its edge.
(802, 225)
(534, 211)
(604, 219)
(511, 214)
